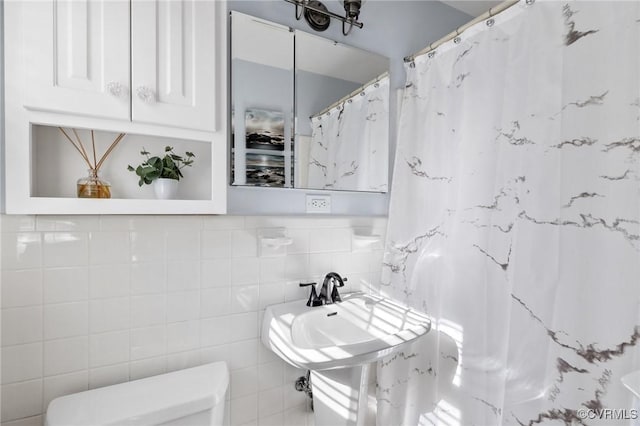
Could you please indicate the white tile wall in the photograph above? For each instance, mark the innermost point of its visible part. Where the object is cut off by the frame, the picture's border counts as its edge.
(90, 301)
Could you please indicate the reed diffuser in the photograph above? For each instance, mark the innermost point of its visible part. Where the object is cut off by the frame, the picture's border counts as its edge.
(92, 186)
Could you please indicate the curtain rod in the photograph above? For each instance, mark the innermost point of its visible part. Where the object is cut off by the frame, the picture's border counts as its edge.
(352, 94)
(491, 12)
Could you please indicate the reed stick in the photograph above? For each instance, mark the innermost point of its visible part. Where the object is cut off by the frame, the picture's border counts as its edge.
(75, 132)
(83, 153)
(84, 157)
(93, 144)
(108, 151)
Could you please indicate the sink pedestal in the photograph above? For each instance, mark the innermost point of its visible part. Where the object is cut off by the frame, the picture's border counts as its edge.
(340, 396)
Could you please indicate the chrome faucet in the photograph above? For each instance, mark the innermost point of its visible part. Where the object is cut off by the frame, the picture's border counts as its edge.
(328, 292)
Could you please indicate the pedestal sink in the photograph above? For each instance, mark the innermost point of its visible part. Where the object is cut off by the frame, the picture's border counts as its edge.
(336, 342)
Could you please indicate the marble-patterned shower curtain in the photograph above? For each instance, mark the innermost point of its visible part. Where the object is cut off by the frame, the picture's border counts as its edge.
(349, 144)
(514, 221)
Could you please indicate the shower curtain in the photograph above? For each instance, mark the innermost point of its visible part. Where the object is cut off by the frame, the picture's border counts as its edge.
(514, 222)
(349, 144)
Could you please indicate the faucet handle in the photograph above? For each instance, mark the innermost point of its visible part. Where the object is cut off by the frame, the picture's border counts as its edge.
(314, 300)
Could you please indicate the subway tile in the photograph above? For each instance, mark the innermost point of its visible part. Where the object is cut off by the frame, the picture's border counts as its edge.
(21, 363)
(270, 401)
(182, 223)
(183, 275)
(294, 399)
(223, 222)
(130, 223)
(67, 223)
(106, 248)
(147, 246)
(109, 281)
(215, 302)
(244, 382)
(320, 264)
(67, 384)
(108, 348)
(270, 375)
(298, 416)
(108, 314)
(245, 271)
(22, 250)
(215, 331)
(148, 342)
(215, 244)
(266, 355)
(214, 354)
(148, 278)
(245, 298)
(107, 376)
(182, 360)
(17, 223)
(244, 326)
(215, 273)
(148, 310)
(276, 419)
(244, 243)
(183, 245)
(297, 267)
(270, 294)
(243, 354)
(183, 336)
(244, 409)
(66, 355)
(293, 291)
(21, 325)
(300, 243)
(66, 284)
(183, 306)
(66, 320)
(65, 249)
(272, 269)
(148, 367)
(21, 288)
(21, 400)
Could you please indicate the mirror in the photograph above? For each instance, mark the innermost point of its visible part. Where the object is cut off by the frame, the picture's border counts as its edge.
(338, 136)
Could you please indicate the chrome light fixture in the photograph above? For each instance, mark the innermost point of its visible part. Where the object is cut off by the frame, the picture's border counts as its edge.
(319, 17)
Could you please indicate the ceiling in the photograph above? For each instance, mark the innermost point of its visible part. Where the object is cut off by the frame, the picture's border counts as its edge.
(472, 7)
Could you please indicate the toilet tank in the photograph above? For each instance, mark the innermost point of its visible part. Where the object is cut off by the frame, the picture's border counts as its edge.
(194, 396)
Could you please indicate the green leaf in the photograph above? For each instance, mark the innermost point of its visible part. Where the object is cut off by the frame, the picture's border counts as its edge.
(131, 169)
(144, 152)
(168, 148)
(190, 154)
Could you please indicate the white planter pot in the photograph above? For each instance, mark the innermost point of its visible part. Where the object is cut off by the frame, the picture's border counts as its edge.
(165, 189)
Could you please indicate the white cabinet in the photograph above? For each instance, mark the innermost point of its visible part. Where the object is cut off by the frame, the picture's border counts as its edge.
(173, 63)
(141, 60)
(76, 56)
(153, 69)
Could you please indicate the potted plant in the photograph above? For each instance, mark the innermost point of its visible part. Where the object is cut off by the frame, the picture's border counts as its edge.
(163, 172)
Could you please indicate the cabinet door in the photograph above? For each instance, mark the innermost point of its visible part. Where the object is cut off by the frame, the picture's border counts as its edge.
(173, 63)
(76, 55)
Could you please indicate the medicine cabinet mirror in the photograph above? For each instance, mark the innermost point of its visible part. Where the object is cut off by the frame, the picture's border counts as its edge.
(307, 112)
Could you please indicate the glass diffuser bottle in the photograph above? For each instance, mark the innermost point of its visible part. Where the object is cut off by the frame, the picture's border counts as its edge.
(93, 187)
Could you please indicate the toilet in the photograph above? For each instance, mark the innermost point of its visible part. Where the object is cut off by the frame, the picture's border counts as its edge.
(190, 397)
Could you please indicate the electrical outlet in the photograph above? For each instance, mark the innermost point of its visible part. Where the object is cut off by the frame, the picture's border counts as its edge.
(318, 203)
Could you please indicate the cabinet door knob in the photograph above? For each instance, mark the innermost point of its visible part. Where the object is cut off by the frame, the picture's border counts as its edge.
(146, 94)
(116, 89)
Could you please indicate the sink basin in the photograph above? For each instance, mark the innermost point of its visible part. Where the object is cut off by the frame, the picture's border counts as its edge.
(359, 330)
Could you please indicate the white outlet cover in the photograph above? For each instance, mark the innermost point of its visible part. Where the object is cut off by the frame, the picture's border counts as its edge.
(318, 203)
